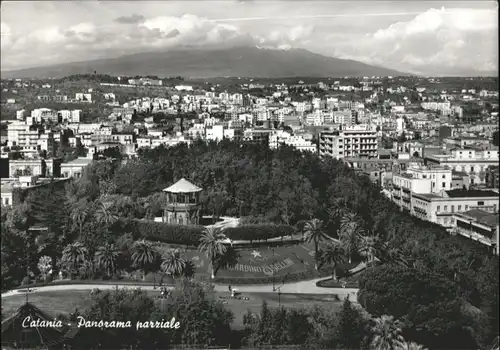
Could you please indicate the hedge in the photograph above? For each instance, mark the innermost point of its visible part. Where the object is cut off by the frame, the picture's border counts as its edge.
(159, 231)
(258, 232)
(292, 277)
(330, 283)
(190, 234)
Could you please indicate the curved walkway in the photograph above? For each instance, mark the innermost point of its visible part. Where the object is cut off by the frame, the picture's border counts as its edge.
(303, 287)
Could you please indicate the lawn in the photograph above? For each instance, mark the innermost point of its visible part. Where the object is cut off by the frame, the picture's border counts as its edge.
(64, 302)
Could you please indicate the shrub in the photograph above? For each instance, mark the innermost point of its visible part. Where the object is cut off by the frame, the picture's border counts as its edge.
(258, 232)
(159, 231)
(26, 281)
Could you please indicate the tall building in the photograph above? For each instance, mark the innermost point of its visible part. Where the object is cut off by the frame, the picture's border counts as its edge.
(359, 141)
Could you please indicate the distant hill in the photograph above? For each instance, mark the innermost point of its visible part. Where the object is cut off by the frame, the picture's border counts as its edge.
(202, 63)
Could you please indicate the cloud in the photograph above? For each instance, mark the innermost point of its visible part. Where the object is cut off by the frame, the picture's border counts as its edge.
(130, 19)
(286, 38)
(112, 40)
(6, 35)
(437, 41)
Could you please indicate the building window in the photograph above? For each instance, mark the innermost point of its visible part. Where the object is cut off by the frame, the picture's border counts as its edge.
(480, 203)
(6, 201)
(438, 208)
(466, 207)
(452, 208)
(445, 208)
(443, 184)
(459, 208)
(444, 176)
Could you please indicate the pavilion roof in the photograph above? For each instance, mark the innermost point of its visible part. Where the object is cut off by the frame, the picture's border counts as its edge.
(12, 328)
(182, 186)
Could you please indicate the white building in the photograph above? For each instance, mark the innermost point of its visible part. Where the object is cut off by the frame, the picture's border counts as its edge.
(471, 161)
(20, 114)
(353, 142)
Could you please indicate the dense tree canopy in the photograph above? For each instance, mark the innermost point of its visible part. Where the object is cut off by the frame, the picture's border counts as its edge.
(426, 303)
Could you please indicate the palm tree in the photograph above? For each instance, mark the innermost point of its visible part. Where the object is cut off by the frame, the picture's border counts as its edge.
(332, 254)
(386, 334)
(367, 247)
(79, 216)
(144, 257)
(104, 215)
(211, 244)
(350, 232)
(106, 258)
(411, 346)
(173, 263)
(390, 254)
(313, 231)
(336, 212)
(74, 254)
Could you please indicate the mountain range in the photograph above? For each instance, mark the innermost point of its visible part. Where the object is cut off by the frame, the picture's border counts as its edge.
(202, 63)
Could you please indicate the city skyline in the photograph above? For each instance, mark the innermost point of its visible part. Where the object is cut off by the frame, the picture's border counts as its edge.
(427, 38)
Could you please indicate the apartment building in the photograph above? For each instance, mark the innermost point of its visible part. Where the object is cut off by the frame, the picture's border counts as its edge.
(261, 136)
(20, 114)
(279, 138)
(219, 132)
(45, 114)
(473, 162)
(353, 142)
(75, 167)
(421, 179)
(345, 117)
(36, 167)
(439, 208)
(73, 116)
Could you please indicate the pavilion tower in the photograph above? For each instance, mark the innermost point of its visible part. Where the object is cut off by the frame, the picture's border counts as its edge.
(183, 203)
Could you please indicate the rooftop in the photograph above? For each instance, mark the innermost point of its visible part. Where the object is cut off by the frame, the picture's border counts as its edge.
(182, 186)
(79, 161)
(471, 193)
(482, 217)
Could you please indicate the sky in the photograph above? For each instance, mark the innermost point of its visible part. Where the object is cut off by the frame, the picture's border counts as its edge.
(421, 37)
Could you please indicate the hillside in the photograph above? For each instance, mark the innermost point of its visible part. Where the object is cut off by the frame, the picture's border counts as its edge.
(242, 61)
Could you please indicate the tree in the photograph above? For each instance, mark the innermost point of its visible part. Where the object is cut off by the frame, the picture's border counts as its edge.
(145, 257)
(351, 326)
(331, 254)
(425, 303)
(202, 317)
(73, 255)
(387, 334)
(211, 244)
(45, 266)
(173, 264)
(411, 346)
(104, 215)
(367, 248)
(80, 214)
(313, 231)
(107, 257)
(350, 232)
(122, 305)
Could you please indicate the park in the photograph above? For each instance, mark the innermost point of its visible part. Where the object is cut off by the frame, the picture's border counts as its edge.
(286, 250)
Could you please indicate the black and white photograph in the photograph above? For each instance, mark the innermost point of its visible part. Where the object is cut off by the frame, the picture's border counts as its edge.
(249, 174)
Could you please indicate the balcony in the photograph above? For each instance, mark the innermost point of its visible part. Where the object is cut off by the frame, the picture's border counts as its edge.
(181, 206)
(472, 235)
